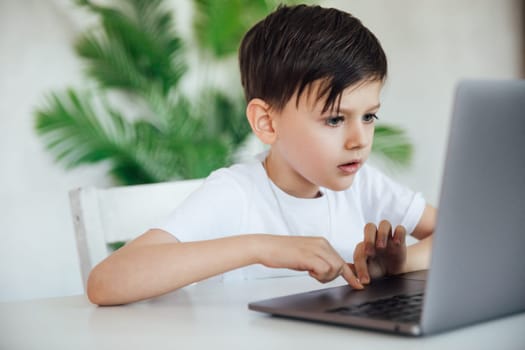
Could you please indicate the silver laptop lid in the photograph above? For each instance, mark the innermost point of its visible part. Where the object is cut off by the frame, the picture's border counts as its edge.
(478, 263)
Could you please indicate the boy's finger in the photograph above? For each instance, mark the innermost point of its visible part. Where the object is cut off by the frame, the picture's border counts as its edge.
(360, 264)
(370, 239)
(349, 276)
(319, 269)
(384, 232)
(352, 267)
(399, 235)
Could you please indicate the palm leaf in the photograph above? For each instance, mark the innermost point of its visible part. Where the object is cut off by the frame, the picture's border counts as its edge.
(137, 152)
(225, 116)
(136, 46)
(72, 131)
(231, 117)
(110, 64)
(219, 27)
(77, 135)
(392, 145)
(113, 246)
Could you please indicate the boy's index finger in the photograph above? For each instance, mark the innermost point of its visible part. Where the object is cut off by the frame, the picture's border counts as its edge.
(349, 276)
(360, 266)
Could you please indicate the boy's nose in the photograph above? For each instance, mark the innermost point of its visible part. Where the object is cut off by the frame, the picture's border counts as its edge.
(356, 137)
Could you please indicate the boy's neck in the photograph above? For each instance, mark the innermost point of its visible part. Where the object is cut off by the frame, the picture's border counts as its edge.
(299, 188)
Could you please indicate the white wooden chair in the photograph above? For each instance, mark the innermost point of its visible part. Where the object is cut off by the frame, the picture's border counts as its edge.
(102, 216)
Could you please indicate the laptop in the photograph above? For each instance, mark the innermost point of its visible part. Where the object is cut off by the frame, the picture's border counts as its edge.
(477, 269)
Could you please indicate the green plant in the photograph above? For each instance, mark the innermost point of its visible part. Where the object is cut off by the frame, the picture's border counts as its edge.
(392, 146)
(136, 55)
(219, 28)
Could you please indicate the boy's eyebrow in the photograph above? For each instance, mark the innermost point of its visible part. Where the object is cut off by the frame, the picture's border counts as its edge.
(349, 111)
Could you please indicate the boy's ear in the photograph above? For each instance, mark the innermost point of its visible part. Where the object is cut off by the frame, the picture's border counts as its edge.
(261, 120)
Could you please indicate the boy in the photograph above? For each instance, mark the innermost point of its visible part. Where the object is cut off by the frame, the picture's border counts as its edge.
(312, 79)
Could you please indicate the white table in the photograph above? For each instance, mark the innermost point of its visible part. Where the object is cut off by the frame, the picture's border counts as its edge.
(214, 315)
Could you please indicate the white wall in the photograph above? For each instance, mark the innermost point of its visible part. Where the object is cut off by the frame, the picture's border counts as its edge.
(430, 45)
(37, 252)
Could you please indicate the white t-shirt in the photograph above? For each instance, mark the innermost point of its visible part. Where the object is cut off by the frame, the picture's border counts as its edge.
(242, 199)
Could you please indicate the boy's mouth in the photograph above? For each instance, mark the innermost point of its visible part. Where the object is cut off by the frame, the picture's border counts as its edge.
(350, 167)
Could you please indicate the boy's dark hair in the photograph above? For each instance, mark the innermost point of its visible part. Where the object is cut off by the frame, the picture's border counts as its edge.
(295, 46)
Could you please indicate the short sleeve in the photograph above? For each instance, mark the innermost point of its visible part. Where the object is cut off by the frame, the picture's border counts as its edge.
(214, 210)
(384, 199)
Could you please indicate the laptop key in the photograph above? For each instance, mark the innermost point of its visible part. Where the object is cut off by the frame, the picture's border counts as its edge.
(402, 308)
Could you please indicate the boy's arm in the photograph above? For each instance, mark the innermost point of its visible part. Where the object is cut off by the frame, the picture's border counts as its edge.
(157, 263)
(418, 255)
(426, 224)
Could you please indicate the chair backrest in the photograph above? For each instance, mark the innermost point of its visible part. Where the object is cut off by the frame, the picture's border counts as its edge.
(102, 216)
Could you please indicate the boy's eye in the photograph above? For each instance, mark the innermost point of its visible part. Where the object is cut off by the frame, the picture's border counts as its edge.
(369, 118)
(335, 121)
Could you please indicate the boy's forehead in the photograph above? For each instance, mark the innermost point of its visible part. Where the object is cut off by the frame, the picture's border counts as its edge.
(314, 97)
(315, 94)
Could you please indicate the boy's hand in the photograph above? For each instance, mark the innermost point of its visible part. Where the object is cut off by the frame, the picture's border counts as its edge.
(381, 253)
(312, 254)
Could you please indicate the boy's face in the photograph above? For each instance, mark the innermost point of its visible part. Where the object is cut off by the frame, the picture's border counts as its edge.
(313, 148)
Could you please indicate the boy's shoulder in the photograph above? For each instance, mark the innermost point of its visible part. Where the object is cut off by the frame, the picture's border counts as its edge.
(244, 175)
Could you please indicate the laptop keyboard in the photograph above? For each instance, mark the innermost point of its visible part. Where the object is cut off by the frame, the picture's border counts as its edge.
(400, 308)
